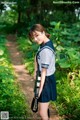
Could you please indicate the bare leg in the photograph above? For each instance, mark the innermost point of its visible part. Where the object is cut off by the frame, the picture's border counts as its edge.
(43, 110)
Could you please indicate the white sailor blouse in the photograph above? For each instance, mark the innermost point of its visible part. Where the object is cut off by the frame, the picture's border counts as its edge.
(46, 58)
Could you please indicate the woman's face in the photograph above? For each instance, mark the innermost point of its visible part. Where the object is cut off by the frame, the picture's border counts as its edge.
(38, 37)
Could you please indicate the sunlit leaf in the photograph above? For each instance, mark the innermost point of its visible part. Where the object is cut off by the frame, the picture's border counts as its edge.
(63, 63)
(1, 52)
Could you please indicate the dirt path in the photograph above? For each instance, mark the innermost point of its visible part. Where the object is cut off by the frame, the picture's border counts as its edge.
(26, 81)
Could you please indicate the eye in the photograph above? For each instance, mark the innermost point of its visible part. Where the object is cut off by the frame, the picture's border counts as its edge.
(37, 35)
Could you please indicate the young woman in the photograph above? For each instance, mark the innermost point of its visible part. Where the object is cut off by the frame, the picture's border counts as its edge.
(46, 61)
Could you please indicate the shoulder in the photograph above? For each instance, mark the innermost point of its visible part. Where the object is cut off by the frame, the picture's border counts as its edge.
(46, 51)
(47, 48)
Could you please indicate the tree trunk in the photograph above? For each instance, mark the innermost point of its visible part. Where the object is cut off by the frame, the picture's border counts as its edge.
(19, 17)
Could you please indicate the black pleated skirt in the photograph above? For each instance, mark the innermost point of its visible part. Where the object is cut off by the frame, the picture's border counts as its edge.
(49, 92)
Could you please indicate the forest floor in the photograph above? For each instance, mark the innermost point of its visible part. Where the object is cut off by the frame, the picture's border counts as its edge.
(25, 80)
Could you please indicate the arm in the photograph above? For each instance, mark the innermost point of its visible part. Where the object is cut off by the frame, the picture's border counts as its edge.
(46, 56)
(43, 75)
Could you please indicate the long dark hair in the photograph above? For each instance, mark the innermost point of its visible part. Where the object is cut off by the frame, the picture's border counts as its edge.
(37, 27)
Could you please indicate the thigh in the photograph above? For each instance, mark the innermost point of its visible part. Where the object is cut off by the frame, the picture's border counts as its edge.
(43, 107)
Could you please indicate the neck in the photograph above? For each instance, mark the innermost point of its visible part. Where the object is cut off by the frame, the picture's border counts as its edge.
(45, 40)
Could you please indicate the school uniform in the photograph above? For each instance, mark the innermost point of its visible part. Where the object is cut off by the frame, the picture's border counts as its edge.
(46, 59)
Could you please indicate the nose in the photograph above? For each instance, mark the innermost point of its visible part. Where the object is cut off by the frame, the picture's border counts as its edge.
(35, 39)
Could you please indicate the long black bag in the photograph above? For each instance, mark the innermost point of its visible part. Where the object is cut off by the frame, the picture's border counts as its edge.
(34, 103)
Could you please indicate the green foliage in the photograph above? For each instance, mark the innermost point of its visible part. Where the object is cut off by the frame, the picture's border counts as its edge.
(68, 101)
(25, 13)
(66, 42)
(65, 35)
(11, 97)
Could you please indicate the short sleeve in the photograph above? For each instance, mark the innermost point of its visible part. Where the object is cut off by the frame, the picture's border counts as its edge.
(46, 56)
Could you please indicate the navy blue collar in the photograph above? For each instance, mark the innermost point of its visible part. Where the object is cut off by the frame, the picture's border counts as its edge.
(49, 43)
(42, 45)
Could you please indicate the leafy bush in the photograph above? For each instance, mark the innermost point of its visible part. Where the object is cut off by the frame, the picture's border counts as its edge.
(11, 97)
(66, 41)
(68, 101)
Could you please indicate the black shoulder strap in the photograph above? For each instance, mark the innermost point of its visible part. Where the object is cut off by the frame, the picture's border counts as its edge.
(38, 70)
